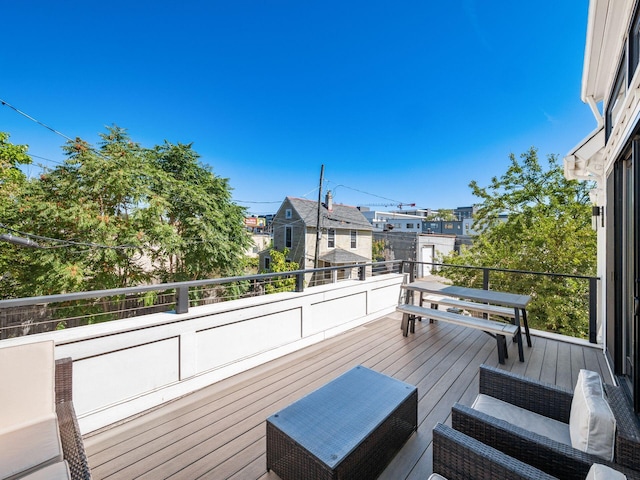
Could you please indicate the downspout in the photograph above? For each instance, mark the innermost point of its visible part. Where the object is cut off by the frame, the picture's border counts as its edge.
(594, 109)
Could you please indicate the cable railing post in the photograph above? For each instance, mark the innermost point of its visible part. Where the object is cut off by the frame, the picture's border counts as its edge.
(485, 278)
(362, 272)
(593, 310)
(300, 282)
(182, 299)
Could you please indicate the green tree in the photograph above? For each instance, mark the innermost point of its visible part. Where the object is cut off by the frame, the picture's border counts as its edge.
(203, 230)
(547, 229)
(377, 250)
(128, 215)
(279, 263)
(12, 184)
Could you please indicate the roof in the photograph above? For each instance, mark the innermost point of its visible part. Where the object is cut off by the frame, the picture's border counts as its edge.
(341, 216)
(606, 30)
(340, 256)
(586, 160)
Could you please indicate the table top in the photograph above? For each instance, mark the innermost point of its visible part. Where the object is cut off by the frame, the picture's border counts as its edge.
(477, 294)
(333, 420)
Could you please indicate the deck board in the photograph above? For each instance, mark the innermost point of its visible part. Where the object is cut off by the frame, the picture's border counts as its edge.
(219, 431)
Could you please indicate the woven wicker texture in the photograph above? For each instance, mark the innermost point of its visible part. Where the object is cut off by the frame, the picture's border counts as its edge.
(459, 457)
(72, 444)
(350, 428)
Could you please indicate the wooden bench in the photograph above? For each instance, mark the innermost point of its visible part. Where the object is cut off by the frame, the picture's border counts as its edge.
(496, 329)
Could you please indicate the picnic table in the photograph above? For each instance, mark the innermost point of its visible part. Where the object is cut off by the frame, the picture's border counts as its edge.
(490, 302)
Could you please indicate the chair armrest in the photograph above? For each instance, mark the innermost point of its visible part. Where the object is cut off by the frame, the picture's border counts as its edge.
(563, 461)
(72, 444)
(539, 397)
(627, 449)
(457, 456)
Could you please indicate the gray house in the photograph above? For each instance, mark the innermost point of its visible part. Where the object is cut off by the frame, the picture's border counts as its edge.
(344, 234)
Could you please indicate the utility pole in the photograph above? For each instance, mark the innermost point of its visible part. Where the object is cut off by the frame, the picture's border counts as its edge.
(318, 229)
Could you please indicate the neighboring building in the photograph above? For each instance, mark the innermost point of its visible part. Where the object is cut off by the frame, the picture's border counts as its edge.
(345, 234)
(445, 227)
(393, 221)
(261, 242)
(464, 212)
(416, 247)
(610, 156)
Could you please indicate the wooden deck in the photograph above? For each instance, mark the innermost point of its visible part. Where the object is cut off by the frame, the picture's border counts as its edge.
(219, 431)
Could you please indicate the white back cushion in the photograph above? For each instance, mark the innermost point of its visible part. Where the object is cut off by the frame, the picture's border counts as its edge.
(592, 425)
(602, 472)
(28, 390)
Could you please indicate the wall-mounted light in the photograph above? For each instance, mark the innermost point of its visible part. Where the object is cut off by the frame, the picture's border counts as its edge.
(596, 212)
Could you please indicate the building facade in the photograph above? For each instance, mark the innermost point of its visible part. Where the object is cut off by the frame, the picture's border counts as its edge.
(344, 236)
(610, 157)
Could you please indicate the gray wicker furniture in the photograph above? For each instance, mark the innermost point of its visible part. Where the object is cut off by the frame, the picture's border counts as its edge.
(72, 444)
(457, 456)
(556, 458)
(350, 428)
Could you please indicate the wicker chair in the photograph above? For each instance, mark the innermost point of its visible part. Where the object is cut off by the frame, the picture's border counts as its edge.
(457, 456)
(541, 452)
(72, 444)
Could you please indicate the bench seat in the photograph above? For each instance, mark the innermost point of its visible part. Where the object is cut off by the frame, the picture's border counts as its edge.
(499, 330)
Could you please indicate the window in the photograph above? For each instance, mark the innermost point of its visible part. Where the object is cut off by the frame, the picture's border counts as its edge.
(287, 213)
(331, 238)
(288, 236)
(618, 94)
(634, 44)
(409, 225)
(354, 239)
(267, 263)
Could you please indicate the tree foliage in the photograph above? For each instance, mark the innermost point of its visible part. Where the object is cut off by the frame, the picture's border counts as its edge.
(279, 263)
(547, 229)
(128, 215)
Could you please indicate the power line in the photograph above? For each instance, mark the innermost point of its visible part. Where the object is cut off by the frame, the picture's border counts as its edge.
(2, 102)
(64, 243)
(35, 120)
(367, 193)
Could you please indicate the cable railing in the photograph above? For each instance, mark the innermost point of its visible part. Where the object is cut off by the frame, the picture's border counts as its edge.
(25, 316)
(561, 303)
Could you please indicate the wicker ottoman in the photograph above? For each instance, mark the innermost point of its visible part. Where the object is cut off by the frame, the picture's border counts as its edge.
(350, 428)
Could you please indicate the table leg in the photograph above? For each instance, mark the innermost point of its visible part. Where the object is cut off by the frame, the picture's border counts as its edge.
(519, 335)
(526, 326)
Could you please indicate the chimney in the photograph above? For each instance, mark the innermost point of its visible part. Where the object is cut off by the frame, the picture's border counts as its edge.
(329, 201)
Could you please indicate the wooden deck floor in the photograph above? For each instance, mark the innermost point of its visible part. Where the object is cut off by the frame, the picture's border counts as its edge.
(219, 431)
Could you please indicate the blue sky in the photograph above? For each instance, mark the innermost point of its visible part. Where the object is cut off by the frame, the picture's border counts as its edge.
(404, 101)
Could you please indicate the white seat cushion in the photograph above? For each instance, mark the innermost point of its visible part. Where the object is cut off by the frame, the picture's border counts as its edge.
(57, 471)
(602, 472)
(30, 447)
(592, 425)
(522, 418)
